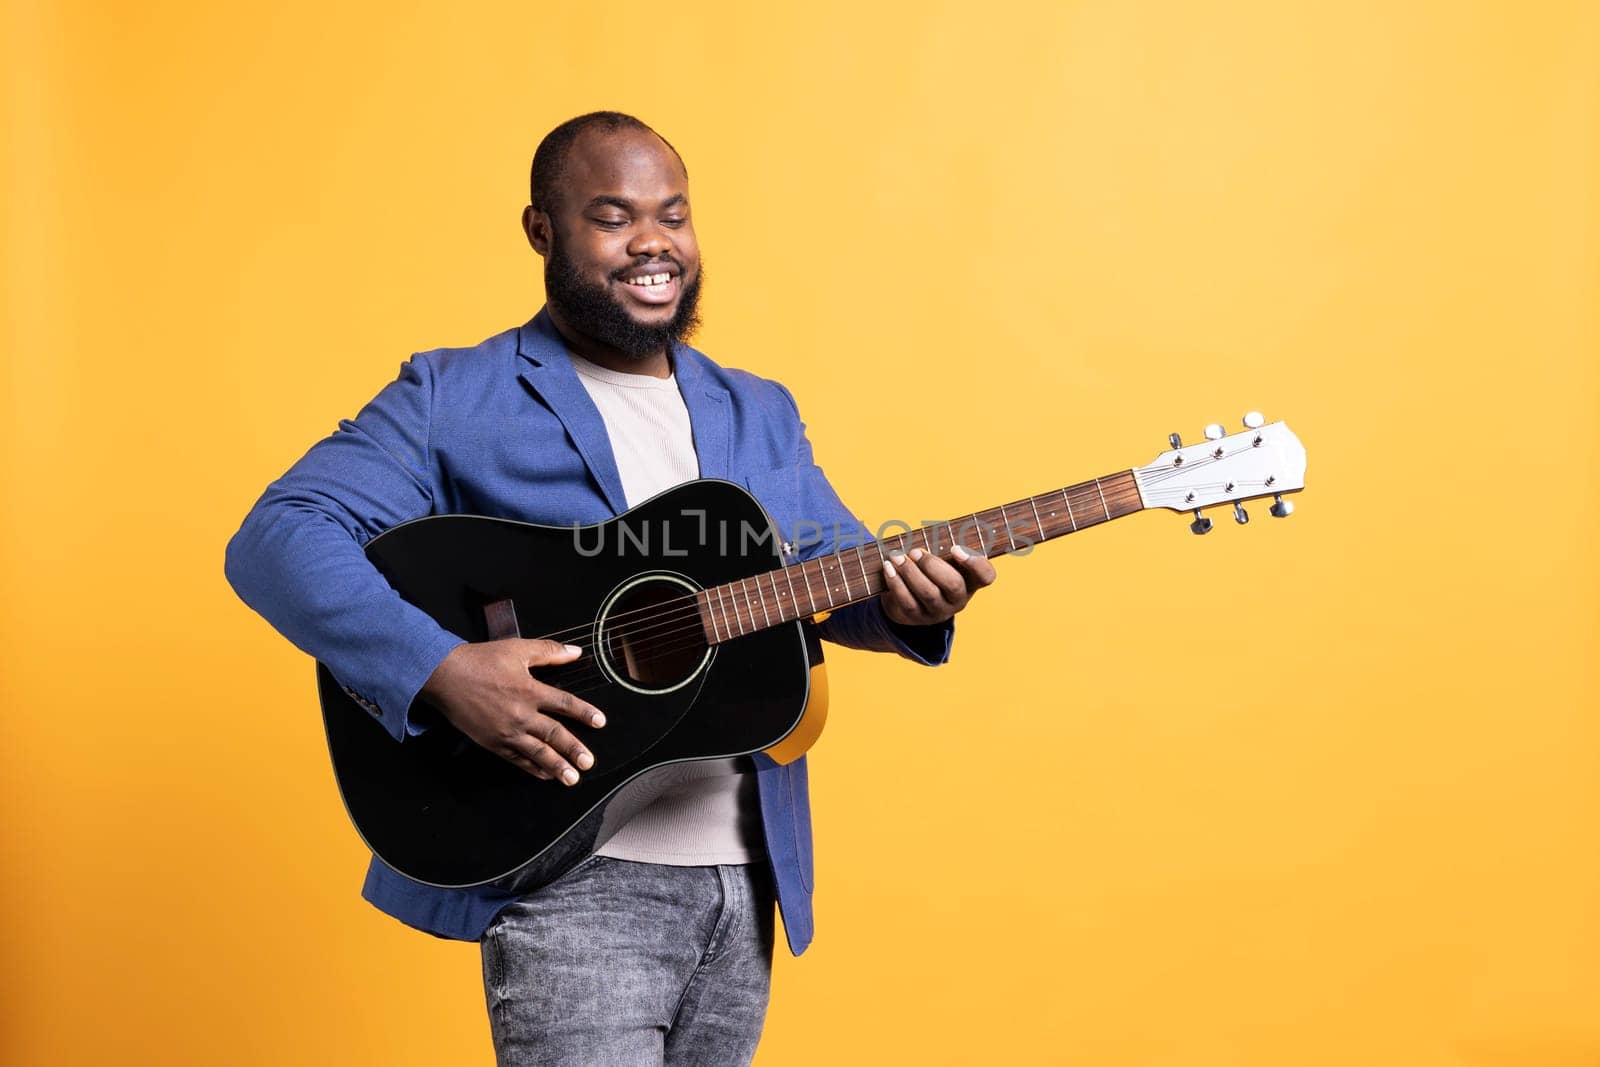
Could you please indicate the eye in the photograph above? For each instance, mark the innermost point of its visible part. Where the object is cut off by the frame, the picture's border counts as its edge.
(611, 224)
(674, 222)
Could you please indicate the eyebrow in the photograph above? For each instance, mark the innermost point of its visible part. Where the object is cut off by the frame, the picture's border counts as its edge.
(627, 205)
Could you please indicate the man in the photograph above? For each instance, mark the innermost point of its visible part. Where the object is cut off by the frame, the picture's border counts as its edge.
(656, 949)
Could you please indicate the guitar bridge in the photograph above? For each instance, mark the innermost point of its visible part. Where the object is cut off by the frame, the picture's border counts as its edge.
(501, 617)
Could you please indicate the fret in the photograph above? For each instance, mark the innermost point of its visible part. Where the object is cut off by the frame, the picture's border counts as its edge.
(838, 580)
(724, 604)
(809, 594)
(712, 615)
(1037, 520)
(763, 602)
(1102, 499)
(1005, 524)
(772, 580)
(861, 562)
(793, 600)
(1068, 502)
(827, 581)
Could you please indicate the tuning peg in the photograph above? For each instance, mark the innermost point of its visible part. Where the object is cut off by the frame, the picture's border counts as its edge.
(1174, 440)
(1215, 432)
(1240, 515)
(1201, 524)
(1254, 420)
(1281, 508)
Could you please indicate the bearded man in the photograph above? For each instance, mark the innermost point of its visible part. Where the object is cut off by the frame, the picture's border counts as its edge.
(656, 949)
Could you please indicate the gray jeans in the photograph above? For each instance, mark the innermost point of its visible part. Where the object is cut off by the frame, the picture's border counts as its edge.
(628, 964)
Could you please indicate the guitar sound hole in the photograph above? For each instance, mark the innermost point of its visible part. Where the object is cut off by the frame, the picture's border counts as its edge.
(650, 634)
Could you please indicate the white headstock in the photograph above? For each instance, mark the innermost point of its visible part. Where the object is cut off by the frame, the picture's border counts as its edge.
(1261, 460)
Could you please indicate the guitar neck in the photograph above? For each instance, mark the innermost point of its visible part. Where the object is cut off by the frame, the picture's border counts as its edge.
(855, 574)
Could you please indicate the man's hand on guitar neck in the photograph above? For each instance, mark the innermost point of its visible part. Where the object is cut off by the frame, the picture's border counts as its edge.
(486, 692)
(921, 589)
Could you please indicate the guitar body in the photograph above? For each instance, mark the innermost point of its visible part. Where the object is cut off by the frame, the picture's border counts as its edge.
(444, 811)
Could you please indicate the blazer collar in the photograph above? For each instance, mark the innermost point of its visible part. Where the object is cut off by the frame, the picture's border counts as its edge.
(546, 367)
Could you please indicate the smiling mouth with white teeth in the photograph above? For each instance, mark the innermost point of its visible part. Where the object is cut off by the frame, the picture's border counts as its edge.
(657, 289)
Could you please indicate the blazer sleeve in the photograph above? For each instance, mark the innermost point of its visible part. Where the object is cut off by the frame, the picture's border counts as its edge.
(862, 625)
(299, 557)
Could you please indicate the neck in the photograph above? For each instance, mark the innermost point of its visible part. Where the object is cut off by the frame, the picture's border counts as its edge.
(856, 573)
(656, 364)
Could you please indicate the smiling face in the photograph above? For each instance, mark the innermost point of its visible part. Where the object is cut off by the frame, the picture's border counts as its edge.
(622, 268)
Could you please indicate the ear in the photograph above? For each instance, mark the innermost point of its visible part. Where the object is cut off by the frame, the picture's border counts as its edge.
(536, 224)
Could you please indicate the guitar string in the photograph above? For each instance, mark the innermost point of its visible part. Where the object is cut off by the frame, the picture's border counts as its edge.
(682, 633)
(1168, 473)
(900, 542)
(677, 605)
(596, 679)
(679, 617)
(667, 613)
(669, 635)
(668, 625)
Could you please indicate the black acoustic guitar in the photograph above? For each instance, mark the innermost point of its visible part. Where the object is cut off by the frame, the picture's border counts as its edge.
(698, 644)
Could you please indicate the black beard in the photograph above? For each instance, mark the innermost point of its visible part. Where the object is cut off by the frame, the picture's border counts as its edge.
(593, 312)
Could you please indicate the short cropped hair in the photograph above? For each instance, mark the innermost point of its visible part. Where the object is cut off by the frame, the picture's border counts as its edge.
(550, 158)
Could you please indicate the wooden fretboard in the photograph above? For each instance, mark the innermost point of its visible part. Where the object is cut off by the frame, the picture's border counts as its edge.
(855, 574)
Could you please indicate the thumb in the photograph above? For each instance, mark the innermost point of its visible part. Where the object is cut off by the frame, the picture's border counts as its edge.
(538, 650)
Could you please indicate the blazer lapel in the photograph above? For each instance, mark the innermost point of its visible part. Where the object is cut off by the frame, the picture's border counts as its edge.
(708, 413)
(547, 369)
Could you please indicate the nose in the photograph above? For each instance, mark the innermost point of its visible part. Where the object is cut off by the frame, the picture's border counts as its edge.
(650, 241)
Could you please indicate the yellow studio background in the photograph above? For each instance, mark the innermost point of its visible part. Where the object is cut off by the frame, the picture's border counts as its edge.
(1320, 791)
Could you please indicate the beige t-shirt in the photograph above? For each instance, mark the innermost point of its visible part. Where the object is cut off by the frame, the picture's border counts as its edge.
(696, 813)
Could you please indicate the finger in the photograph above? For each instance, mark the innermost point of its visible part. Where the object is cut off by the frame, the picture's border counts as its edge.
(558, 737)
(539, 759)
(927, 594)
(952, 586)
(553, 701)
(517, 759)
(550, 746)
(895, 593)
(539, 651)
(979, 571)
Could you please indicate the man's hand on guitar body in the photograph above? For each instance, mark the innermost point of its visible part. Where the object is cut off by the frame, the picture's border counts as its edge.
(486, 692)
(921, 589)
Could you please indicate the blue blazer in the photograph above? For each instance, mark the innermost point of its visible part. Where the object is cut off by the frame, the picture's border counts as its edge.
(507, 429)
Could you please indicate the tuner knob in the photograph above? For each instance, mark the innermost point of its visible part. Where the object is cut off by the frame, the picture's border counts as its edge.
(1240, 515)
(1281, 508)
(1254, 420)
(1174, 440)
(1215, 432)
(1201, 524)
